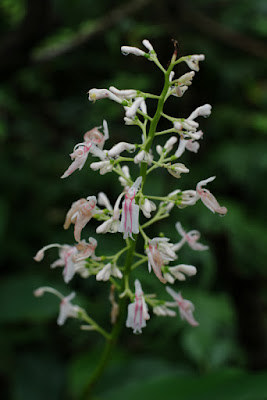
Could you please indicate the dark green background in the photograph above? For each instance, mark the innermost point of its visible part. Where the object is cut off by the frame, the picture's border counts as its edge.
(51, 54)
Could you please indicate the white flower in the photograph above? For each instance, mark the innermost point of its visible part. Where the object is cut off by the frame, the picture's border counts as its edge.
(148, 45)
(137, 311)
(132, 110)
(164, 311)
(123, 94)
(126, 172)
(202, 111)
(189, 144)
(186, 308)
(179, 271)
(187, 124)
(103, 200)
(143, 156)
(107, 271)
(186, 79)
(130, 211)
(112, 224)
(177, 169)
(103, 166)
(120, 147)
(208, 199)
(188, 198)
(193, 61)
(66, 310)
(126, 50)
(169, 144)
(147, 207)
(97, 94)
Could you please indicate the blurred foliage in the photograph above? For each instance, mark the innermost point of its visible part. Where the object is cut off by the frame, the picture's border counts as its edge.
(44, 112)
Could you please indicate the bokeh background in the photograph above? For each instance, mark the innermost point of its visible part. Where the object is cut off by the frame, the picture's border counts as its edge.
(51, 53)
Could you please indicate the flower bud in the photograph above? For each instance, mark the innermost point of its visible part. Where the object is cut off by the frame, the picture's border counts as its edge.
(120, 147)
(202, 111)
(148, 45)
(126, 50)
(170, 143)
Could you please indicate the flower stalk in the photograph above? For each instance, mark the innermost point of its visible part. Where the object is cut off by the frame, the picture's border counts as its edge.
(124, 217)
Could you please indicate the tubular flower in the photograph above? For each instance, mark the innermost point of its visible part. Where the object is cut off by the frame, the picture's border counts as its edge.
(98, 94)
(180, 271)
(125, 94)
(190, 237)
(80, 214)
(208, 199)
(130, 111)
(130, 211)
(186, 307)
(159, 253)
(138, 310)
(120, 147)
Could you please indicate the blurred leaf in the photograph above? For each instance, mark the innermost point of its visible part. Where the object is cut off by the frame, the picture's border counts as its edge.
(230, 385)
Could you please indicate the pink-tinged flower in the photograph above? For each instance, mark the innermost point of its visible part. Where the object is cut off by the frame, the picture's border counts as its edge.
(107, 271)
(97, 137)
(66, 310)
(186, 307)
(80, 214)
(138, 310)
(130, 211)
(190, 237)
(193, 61)
(71, 258)
(159, 253)
(208, 199)
(79, 157)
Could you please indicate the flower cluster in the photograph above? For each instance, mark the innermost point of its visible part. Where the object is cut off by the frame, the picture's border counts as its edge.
(134, 211)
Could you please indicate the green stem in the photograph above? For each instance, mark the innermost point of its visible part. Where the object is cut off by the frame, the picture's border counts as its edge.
(112, 339)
